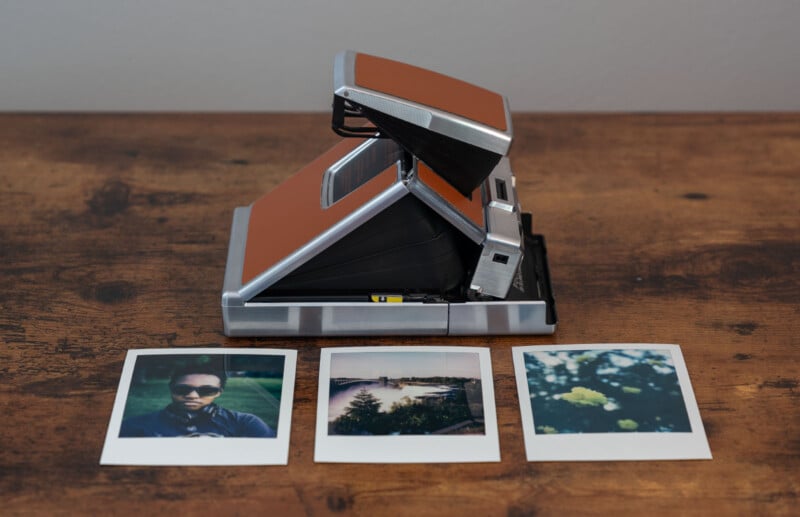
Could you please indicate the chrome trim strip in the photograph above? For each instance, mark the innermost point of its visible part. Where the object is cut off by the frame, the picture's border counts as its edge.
(499, 318)
(343, 69)
(387, 319)
(337, 319)
(431, 118)
(233, 268)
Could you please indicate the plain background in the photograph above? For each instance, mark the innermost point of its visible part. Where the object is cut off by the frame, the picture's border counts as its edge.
(248, 55)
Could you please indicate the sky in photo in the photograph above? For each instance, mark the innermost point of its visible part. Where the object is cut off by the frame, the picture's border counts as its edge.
(370, 365)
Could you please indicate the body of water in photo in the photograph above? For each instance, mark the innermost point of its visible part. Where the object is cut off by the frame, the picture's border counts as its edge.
(387, 395)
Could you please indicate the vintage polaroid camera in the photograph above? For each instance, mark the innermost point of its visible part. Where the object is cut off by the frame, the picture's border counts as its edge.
(410, 225)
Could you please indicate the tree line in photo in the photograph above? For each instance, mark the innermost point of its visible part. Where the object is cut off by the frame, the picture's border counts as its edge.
(458, 411)
(159, 367)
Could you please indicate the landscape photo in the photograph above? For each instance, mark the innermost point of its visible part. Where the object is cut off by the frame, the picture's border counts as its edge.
(409, 392)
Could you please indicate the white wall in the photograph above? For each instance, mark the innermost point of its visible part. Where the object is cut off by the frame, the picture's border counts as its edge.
(207, 55)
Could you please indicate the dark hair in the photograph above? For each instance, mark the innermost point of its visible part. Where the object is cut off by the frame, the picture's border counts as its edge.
(198, 369)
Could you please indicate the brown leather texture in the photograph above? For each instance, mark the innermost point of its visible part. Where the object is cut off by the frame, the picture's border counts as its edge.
(430, 89)
(472, 207)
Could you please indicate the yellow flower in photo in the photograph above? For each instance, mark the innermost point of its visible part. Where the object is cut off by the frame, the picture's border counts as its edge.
(628, 424)
(581, 396)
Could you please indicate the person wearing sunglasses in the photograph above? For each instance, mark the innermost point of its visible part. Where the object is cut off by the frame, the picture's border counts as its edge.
(194, 412)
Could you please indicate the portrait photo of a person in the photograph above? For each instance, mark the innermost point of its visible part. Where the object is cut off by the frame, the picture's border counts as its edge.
(194, 407)
(202, 406)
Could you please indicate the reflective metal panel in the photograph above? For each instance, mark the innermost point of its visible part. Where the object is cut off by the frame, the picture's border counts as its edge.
(498, 318)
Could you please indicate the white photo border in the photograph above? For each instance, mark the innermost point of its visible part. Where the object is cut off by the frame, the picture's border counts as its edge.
(611, 446)
(200, 451)
(407, 448)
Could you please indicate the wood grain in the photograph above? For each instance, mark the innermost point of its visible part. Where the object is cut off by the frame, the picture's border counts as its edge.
(660, 228)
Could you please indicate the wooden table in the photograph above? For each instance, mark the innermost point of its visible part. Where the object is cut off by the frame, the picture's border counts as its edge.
(660, 228)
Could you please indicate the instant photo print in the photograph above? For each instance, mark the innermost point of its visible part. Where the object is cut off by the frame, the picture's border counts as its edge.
(406, 405)
(410, 225)
(202, 406)
(607, 402)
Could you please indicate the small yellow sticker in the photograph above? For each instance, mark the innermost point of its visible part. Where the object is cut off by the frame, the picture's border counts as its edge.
(387, 298)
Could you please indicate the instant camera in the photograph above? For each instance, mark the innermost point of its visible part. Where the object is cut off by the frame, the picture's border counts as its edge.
(409, 226)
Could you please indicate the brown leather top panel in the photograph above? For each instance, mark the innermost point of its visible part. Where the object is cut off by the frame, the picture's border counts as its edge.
(471, 208)
(291, 214)
(430, 89)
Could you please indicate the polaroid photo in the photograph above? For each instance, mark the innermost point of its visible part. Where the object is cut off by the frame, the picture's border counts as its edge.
(407, 404)
(607, 402)
(202, 406)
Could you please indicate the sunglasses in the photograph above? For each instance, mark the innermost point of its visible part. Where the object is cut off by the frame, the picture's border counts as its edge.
(203, 391)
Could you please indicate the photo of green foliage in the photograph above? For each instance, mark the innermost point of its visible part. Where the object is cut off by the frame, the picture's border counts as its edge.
(605, 391)
(254, 385)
